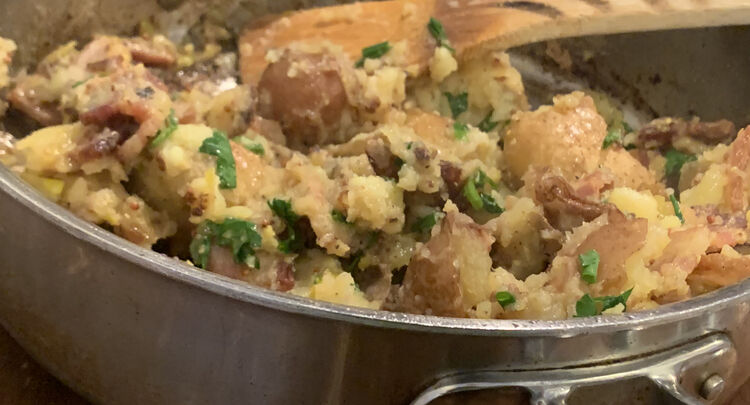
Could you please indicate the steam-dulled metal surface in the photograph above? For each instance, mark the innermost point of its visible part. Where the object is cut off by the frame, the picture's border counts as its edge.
(123, 325)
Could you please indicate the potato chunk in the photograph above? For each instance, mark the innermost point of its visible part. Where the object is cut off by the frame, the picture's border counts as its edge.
(305, 93)
(568, 135)
(451, 273)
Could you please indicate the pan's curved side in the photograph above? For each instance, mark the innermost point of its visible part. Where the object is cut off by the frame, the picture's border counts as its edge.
(121, 332)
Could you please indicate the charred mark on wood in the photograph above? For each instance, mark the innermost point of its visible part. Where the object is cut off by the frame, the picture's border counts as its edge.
(534, 7)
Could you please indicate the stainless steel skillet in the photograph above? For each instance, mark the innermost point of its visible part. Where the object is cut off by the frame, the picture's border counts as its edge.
(128, 326)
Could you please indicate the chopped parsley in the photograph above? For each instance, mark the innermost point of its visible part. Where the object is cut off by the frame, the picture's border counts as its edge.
(79, 83)
(255, 147)
(504, 298)
(676, 207)
(425, 223)
(317, 278)
(476, 194)
(675, 161)
(352, 267)
(409, 145)
(240, 236)
(614, 135)
(458, 103)
(373, 52)
(170, 125)
(588, 306)
(438, 32)
(218, 145)
(283, 209)
(487, 124)
(589, 265)
(460, 131)
(490, 205)
(339, 216)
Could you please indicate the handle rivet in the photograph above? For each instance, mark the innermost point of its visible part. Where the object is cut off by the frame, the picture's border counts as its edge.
(712, 387)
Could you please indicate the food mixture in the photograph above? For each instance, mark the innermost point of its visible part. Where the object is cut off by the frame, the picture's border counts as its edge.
(370, 181)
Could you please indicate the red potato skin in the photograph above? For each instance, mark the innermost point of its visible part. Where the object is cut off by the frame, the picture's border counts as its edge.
(432, 282)
(716, 270)
(305, 94)
(615, 242)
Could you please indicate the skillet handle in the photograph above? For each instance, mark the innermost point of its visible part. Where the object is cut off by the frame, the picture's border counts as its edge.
(694, 373)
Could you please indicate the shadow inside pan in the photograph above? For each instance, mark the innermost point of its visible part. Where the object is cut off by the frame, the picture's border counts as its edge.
(680, 73)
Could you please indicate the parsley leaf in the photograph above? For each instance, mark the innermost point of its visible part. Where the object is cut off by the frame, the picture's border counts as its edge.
(218, 145)
(675, 161)
(490, 205)
(373, 52)
(589, 266)
(487, 124)
(283, 209)
(425, 223)
(676, 206)
(614, 135)
(170, 125)
(241, 236)
(438, 32)
(352, 267)
(472, 195)
(505, 298)
(339, 216)
(79, 83)
(255, 147)
(458, 103)
(460, 131)
(587, 306)
(474, 191)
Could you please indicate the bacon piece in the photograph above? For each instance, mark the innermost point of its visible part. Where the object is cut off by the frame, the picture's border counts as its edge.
(150, 53)
(563, 207)
(44, 113)
(284, 276)
(662, 132)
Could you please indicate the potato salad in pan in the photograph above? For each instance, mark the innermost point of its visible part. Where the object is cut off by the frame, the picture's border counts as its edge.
(362, 179)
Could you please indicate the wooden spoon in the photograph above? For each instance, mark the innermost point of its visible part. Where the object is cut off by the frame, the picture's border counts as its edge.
(475, 25)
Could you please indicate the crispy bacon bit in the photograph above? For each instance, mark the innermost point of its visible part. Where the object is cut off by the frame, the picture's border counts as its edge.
(563, 207)
(116, 128)
(98, 144)
(284, 276)
(381, 159)
(663, 131)
(44, 113)
(451, 175)
(150, 53)
(726, 229)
